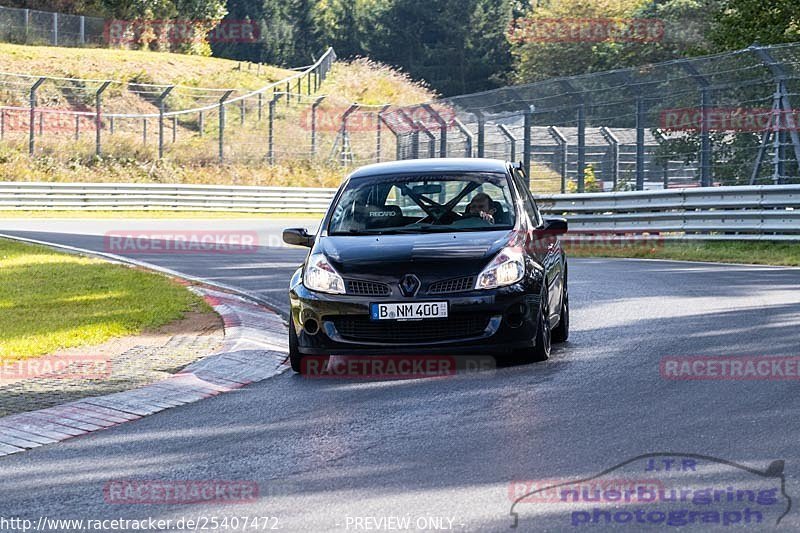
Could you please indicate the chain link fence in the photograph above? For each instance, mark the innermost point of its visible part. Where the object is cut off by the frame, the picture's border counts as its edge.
(59, 117)
(29, 26)
(726, 119)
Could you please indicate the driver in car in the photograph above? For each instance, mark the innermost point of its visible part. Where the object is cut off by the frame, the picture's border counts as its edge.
(481, 205)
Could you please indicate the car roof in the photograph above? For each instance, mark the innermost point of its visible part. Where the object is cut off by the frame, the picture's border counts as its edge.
(449, 164)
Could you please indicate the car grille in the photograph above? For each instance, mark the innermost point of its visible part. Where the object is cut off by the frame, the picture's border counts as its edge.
(452, 285)
(366, 288)
(412, 332)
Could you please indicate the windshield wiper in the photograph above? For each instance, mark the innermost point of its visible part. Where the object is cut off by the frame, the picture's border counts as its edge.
(374, 231)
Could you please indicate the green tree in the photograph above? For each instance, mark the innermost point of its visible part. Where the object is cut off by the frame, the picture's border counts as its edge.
(677, 28)
(740, 23)
(488, 51)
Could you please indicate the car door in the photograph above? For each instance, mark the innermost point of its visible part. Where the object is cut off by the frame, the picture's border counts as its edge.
(547, 246)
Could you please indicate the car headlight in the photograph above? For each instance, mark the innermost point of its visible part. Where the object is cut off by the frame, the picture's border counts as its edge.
(320, 276)
(507, 268)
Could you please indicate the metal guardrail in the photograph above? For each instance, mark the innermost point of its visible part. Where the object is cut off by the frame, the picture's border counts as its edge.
(766, 212)
(19, 196)
(769, 212)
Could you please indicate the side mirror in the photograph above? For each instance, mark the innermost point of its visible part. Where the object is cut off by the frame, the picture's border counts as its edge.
(298, 237)
(556, 226)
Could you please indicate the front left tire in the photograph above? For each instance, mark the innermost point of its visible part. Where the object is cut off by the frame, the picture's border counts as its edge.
(295, 357)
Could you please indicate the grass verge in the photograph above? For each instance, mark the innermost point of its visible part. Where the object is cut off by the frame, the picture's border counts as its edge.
(760, 253)
(50, 301)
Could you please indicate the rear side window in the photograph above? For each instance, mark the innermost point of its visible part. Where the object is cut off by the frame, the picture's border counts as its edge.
(527, 199)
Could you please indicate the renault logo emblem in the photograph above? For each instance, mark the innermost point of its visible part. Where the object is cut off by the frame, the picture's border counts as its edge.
(409, 285)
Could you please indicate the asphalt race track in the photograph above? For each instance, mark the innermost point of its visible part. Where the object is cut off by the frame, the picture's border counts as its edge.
(346, 455)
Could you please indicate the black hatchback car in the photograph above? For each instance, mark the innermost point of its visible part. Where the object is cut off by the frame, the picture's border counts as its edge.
(431, 257)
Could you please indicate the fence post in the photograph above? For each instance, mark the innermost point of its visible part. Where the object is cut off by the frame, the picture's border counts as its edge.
(431, 138)
(581, 147)
(526, 143)
(510, 138)
(144, 131)
(270, 131)
(161, 98)
(201, 123)
(468, 137)
(27, 23)
(288, 88)
(345, 139)
(222, 125)
(705, 139)
(55, 29)
(77, 126)
(83, 30)
(559, 138)
(32, 130)
(415, 142)
(314, 107)
(414, 135)
(481, 132)
(782, 108)
(98, 103)
(640, 118)
(308, 83)
(442, 129)
(260, 105)
(378, 120)
(613, 144)
(174, 127)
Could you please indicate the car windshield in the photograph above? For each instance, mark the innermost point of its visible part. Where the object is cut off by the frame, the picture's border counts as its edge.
(473, 201)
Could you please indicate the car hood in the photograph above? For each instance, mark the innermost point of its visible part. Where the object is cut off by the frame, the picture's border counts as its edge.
(375, 254)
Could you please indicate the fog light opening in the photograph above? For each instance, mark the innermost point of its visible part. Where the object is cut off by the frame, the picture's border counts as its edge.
(311, 326)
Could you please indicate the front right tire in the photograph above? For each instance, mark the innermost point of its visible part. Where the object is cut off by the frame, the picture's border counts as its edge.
(561, 332)
(542, 342)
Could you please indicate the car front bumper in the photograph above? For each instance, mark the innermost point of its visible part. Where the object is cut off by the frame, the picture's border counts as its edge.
(479, 322)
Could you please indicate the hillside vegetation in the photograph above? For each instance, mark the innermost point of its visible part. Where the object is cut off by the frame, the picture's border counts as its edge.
(134, 70)
(193, 158)
(137, 66)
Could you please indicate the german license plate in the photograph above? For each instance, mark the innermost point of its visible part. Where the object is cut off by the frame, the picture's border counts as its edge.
(408, 311)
